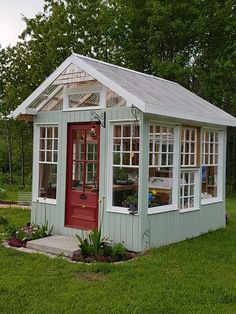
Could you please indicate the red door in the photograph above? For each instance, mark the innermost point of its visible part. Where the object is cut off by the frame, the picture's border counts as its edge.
(82, 176)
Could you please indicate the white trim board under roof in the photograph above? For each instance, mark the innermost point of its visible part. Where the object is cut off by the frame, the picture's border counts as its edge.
(149, 93)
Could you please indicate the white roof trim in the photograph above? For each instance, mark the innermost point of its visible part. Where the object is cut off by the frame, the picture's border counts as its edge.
(131, 98)
(20, 109)
(91, 71)
(189, 116)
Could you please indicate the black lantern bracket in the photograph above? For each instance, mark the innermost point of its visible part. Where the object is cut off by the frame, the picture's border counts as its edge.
(135, 112)
(101, 118)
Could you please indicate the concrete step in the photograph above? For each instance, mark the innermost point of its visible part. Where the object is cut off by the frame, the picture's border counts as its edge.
(55, 244)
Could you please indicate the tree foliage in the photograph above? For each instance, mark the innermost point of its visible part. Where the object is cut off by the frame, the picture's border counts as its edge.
(190, 42)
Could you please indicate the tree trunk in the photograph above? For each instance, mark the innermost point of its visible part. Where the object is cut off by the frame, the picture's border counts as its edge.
(9, 148)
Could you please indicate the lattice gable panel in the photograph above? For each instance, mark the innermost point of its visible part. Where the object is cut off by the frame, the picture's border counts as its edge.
(72, 74)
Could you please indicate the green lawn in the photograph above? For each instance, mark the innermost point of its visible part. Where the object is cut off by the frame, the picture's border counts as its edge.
(195, 276)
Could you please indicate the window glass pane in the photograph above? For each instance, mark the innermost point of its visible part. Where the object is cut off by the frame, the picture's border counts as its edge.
(135, 145)
(84, 100)
(49, 132)
(42, 132)
(91, 177)
(160, 186)
(54, 156)
(78, 144)
(42, 156)
(135, 159)
(47, 180)
(126, 145)
(126, 130)
(125, 187)
(117, 131)
(49, 156)
(116, 159)
(136, 131)
(49, 144)
(77, 176)
(126, 159)
(55, 145)
(117, 145)
(42, 144)
(56, 132)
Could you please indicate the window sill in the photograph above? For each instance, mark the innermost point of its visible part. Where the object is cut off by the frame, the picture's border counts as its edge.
(210, 200)
(188, 210)
(121, 210)
(83, 108)
(45, 201)
(161, 209)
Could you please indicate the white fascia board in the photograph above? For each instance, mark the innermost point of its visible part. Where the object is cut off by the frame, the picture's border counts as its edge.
(49, 80)
(30, 111)
(152, 109)
(109, 83)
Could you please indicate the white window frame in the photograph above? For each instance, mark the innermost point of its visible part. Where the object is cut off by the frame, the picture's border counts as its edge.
(190, 167)
(196, 191)
(35, 184)
(110, 207)
(219, 197)
(175, 170)
(190, 141)
(82, 90)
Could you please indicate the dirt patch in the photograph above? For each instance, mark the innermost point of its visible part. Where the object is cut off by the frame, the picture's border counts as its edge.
(91, 276)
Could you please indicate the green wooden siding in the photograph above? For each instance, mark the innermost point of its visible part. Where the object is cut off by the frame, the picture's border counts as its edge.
(140, 231)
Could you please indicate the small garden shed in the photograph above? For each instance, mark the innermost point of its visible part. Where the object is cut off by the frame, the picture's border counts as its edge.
(141, 155)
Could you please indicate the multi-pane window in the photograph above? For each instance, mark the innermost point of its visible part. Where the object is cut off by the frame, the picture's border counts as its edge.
(188, 147)
(210, 156)
(48, 154)
(89, 99)
(189, 167)
(187, 190)
(161, 162)
(125, 165)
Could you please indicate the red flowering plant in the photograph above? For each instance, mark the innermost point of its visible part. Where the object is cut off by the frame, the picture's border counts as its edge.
(19, 236)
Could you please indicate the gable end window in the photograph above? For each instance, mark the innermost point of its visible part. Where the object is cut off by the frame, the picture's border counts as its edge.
(48, 155)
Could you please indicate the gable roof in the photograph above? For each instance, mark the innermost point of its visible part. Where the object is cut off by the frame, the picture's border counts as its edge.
(149, 93)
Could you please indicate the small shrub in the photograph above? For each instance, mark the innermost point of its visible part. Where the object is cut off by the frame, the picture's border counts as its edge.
(118, 251)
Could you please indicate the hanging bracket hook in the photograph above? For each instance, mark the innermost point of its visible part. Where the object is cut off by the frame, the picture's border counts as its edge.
(101, 118)
(135, 112)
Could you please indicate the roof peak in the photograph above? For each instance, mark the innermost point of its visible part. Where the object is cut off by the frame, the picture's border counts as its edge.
(122, 68)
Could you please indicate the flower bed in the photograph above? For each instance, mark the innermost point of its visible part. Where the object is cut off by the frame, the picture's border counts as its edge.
(95, 248)
(18, 237)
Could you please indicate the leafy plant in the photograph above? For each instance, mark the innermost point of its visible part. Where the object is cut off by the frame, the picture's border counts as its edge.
(33, 231)
(8, 227)
(118, 251)
(132, 199)
(120, 174)
(93, 244)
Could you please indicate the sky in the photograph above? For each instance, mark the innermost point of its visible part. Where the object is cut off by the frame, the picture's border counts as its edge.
(11, 24)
